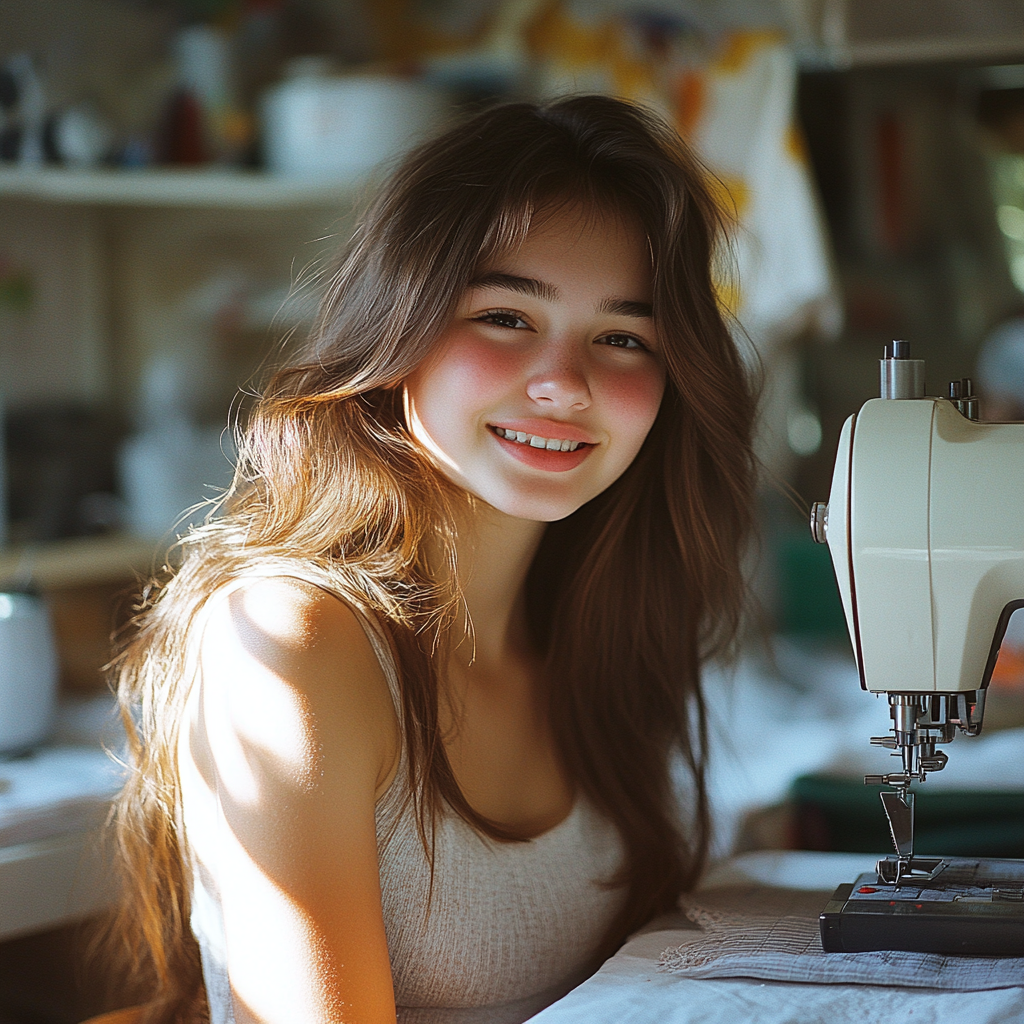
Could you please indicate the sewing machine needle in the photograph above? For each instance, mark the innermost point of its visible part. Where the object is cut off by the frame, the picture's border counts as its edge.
(899, 809)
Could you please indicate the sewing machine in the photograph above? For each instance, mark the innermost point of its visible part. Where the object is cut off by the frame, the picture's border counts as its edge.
(925, 526)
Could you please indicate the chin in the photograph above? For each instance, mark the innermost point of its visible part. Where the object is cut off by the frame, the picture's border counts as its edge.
(536, 508)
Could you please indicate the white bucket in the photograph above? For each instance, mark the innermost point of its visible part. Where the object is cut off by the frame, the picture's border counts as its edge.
(28, 672)
(341, 127)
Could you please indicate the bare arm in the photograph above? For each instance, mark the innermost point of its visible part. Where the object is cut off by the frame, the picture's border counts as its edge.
(296, 733)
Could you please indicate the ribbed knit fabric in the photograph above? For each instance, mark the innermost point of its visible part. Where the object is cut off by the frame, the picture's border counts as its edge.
(505, 929)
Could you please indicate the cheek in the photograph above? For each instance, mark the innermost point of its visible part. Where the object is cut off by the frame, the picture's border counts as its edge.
(633, 402)
(467, 377)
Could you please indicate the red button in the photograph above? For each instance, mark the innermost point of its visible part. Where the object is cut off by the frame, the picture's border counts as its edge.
(866, 888)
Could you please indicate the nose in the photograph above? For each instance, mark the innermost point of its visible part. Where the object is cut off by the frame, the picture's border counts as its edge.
(558, 381)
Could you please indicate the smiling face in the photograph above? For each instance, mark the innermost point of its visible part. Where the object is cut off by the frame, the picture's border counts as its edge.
(544, 386)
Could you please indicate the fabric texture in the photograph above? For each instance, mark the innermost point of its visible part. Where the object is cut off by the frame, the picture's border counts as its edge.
(505, 928)
(502, 930)
(750, 931)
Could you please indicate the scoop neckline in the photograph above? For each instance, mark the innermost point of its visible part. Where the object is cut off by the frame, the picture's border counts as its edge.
(573, 810)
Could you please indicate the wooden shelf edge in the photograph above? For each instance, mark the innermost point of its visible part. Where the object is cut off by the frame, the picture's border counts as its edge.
(219, 188)
(79, 561)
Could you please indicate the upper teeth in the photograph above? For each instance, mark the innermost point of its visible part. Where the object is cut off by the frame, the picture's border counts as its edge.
(534, 441)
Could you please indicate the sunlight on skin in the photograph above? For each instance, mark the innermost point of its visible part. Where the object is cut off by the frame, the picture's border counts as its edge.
(269, 910)
(292, 848)
(293, 730)
(281, 623)
(418, 430)
(198, 783)
(271, 728)
(268, 907)
(555, 339)
(273, 717)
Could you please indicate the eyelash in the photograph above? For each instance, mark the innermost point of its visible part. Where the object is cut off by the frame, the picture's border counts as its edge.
(492, 317)
(627, 337)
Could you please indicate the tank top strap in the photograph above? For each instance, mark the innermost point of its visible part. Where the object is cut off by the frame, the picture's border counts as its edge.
(393, 804)
(382, 649)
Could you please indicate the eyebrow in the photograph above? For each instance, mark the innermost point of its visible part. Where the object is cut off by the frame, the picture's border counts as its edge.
(542, 290)
(628, 307)
(513, 283)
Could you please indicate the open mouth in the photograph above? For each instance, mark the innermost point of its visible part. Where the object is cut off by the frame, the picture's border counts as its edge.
(551, 444)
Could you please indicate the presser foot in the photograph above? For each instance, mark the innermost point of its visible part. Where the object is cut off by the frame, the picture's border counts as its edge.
(895, 870)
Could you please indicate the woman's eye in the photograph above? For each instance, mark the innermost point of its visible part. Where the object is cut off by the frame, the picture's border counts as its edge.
(622, 341)
(501, 318)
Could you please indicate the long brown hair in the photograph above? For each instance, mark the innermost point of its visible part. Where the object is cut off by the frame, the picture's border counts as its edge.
(628, 596)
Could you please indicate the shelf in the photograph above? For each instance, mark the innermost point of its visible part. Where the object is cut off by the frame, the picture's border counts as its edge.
(193, 188)
(76, 562)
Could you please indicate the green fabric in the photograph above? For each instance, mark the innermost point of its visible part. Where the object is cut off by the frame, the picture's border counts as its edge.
(809, 603)
(844, 814)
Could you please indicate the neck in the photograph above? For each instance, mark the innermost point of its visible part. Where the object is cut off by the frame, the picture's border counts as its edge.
(494, 553)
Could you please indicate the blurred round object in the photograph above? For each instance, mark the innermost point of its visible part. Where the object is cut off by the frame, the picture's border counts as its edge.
(310, 65)
(78, 137)
(1000, 371)
(316, 126)
(28, 672)
(803, 430)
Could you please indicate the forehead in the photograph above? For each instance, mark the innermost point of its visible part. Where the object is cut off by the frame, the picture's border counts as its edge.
(604, 248)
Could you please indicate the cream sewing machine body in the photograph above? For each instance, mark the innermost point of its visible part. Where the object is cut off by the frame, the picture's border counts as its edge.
(926, 533)
(925, 526)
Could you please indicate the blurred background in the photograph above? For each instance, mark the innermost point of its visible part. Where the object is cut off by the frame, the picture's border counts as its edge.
(174, 172)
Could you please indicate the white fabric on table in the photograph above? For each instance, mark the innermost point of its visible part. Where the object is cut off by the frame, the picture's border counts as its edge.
(754, 931)
(630, 989)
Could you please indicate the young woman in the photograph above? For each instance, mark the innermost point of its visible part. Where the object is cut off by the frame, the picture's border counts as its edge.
(405, 721)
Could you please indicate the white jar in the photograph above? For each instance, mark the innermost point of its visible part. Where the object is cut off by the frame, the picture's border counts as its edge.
(333, 128)
(28, 672)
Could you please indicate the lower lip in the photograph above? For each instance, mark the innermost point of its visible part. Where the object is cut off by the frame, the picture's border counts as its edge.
(544, 458)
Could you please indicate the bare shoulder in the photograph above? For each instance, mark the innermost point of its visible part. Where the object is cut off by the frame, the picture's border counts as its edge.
(292, 733)
(291, 669)
(282, 614)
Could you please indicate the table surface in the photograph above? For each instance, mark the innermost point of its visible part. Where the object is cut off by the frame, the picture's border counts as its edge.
(629, 989)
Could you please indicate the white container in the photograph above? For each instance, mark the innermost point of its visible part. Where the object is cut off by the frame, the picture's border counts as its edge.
(28, 672)
(335, 128)
(166, 473)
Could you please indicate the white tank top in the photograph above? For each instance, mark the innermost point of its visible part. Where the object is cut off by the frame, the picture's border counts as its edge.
(508, 927)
